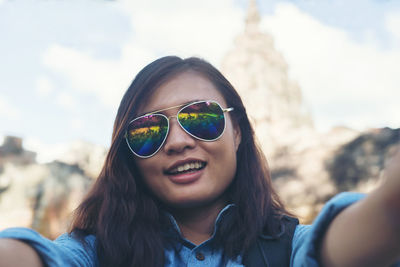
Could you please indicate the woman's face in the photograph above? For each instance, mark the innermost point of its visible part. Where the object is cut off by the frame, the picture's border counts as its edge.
(197, 187)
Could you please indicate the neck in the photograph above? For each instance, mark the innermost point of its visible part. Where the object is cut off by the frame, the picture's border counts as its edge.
(197, 224)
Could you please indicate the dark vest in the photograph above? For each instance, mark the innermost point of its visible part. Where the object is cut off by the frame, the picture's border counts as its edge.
(270, 251)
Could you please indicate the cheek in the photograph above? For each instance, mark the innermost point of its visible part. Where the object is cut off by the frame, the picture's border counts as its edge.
(148, 172)
(224, 157)
(230, 156)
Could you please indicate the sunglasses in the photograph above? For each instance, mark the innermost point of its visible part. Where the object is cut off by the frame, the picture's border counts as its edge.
(204, 120)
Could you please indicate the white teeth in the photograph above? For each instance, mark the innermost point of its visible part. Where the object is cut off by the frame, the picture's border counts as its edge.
(187, 166)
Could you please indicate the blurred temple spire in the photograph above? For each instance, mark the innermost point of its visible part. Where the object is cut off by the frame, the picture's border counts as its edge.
(260, 74)
(253, 17)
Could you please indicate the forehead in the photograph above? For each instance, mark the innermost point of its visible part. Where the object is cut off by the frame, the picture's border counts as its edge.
(182, 88)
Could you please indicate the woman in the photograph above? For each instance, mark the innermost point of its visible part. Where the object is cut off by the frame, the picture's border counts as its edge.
(184, 184)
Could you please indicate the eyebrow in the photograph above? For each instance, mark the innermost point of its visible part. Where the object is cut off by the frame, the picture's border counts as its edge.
(177, 106)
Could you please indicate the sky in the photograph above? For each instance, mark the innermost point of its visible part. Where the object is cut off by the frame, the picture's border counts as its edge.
(65, 64)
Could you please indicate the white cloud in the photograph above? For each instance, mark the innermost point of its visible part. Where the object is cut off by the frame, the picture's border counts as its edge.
(44, 86)
(105, 79)
(392, 23)
(66, 100)
(202, 28)
(76, 123)
(358, 80)
(8, 110)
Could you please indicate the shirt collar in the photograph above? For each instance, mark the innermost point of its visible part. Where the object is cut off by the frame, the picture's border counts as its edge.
(221, 216)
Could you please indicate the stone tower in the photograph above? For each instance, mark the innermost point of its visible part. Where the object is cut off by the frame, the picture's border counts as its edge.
(259, 72)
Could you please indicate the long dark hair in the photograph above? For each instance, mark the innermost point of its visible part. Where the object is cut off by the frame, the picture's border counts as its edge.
(129, 223)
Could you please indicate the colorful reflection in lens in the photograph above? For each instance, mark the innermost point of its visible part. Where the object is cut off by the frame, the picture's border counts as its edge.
(204, 120)
(146, 134)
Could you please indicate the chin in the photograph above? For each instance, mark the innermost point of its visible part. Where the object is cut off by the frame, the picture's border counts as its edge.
(191, 201)
(186, 203)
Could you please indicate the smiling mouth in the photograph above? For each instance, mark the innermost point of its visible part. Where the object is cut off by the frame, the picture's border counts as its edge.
(186, 168)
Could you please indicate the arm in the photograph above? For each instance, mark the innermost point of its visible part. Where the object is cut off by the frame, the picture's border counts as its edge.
(66, 251)
(368, 232)
(14, 253)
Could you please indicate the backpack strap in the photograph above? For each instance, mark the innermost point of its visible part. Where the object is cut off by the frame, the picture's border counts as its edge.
(271, 251)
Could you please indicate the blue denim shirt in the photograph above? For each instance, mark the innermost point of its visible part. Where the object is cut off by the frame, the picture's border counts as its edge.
(68, 251)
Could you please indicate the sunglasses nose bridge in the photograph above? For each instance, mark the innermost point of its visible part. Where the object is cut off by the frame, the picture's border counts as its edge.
(177, 122)
(173, 116)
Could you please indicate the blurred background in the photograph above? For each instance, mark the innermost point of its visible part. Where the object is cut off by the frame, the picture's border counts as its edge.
(320, 80)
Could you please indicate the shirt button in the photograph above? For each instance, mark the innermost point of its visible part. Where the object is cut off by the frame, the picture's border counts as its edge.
(200, 256)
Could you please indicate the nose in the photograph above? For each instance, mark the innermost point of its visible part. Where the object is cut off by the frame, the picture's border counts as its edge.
(178, 140)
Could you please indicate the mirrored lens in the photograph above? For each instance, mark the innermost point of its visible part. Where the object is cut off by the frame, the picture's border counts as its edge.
(147, 134)
(204, 120)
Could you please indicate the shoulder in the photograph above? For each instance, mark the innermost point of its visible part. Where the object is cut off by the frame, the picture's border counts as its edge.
(82, 250)
(66, 250)
(306, 239)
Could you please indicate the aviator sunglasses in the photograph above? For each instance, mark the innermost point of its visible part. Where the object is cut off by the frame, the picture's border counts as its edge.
(204, 120)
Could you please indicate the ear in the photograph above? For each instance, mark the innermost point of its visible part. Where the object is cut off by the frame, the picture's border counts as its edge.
(237, 135)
